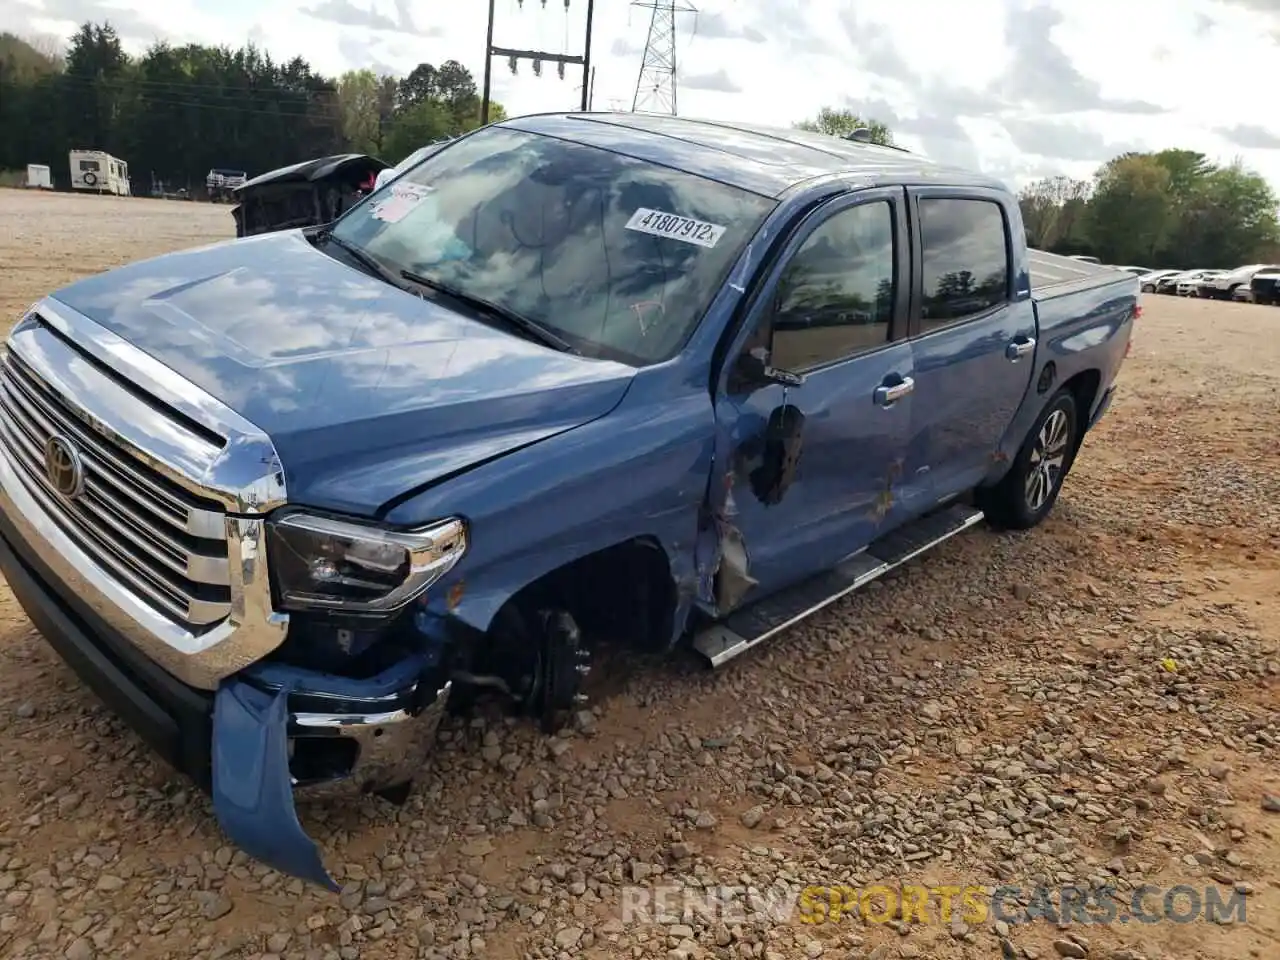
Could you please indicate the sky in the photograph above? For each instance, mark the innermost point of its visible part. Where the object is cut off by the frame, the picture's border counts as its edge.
(1019, 89)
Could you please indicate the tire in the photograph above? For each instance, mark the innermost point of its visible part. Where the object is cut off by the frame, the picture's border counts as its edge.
(1020, 501)
(1148, 288)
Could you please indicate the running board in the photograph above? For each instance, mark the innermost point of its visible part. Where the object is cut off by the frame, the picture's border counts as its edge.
(743, 629)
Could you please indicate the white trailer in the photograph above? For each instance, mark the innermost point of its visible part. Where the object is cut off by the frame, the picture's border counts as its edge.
(39, 177)
(100, 172)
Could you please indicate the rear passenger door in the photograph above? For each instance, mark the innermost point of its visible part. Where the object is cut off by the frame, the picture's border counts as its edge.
(973, 340)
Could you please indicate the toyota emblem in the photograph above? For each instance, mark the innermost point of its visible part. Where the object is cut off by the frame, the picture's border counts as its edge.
(63, 467)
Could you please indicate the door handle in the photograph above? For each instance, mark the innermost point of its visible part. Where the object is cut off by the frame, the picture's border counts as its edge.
(887, 396)
(1017, 349)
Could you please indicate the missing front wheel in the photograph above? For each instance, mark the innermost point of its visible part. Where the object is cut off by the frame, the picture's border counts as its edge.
(538, 661)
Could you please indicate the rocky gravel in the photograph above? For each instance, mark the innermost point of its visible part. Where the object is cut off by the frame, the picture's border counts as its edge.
(1092, 705)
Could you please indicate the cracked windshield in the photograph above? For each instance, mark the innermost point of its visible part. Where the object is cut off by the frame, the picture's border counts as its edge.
(616, 256)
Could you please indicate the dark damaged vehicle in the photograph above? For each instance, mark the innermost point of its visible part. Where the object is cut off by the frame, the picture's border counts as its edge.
(304, 194)
(280, 500)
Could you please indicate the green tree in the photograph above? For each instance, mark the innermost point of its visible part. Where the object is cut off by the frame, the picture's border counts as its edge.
(360, 109)
(26, 61)
(415, 127)
(175, 112)
(841, 123)
(1132, 210)
(1233, 216)
(1053, 212)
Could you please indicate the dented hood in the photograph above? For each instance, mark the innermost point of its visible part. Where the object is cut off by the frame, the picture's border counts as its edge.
(367, 391)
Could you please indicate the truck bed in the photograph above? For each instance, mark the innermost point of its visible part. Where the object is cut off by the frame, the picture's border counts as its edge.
(1053, 275)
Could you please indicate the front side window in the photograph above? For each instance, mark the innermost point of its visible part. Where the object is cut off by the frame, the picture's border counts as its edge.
(618, 256)
(835, 298)
(965, 259)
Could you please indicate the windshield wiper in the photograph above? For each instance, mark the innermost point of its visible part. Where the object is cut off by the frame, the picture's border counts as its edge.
(531, 328)
(364, 259)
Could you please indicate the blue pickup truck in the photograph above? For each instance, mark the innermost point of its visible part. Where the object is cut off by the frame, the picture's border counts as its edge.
(282, 501)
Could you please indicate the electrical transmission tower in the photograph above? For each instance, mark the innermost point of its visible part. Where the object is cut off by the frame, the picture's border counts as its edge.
(656, 85)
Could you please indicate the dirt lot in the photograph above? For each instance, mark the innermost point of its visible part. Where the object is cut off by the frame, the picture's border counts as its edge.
(1091, 703)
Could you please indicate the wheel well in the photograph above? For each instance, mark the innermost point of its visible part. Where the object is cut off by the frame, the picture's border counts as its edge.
(1084, 389)
(621, 593)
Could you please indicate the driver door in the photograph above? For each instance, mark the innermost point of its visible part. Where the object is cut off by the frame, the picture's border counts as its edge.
(813, 470)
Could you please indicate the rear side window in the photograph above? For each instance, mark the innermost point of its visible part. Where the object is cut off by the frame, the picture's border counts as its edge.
(965, 264)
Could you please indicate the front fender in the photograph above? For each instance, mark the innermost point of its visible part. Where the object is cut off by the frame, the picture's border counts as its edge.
(640, 472)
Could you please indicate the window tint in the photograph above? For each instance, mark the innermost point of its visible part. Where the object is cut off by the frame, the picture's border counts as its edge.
(966, 262)
(835, 298)
(618, 256)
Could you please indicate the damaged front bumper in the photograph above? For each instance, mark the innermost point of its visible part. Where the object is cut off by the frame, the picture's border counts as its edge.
(267, 735)
(280, 731)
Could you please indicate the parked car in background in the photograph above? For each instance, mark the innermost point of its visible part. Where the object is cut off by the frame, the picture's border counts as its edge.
(1169, 284)
(1265, 286)
(1224, 284)
(1151, 280)
(303, 194)
(1136, 271)
(412, 160)
(280, 499)
(1189, 284)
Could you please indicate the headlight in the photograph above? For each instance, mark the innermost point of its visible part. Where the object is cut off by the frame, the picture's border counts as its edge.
(323, 564)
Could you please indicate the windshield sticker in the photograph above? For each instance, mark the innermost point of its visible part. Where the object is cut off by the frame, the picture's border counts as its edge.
(404, 197)
(675, 227)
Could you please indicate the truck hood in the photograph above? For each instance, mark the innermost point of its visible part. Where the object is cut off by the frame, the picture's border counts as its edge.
(368, 392)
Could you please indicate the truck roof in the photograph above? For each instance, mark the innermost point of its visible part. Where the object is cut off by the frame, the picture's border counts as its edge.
(762, 159)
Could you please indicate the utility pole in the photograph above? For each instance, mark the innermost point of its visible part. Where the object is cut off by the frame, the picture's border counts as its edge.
(537, 57)
(488, 67)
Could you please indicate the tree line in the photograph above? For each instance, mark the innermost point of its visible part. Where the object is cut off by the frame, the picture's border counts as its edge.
(176, 112)
(1172, 208)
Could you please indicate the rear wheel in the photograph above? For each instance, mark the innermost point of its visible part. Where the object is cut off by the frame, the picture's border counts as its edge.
(1148, 288)
(1029, 490)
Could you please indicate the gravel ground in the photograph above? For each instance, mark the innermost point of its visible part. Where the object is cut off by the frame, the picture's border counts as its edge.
(1094, 702)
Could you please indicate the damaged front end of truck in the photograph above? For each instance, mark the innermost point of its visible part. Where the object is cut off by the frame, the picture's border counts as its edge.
(351, 701)
(267, 652)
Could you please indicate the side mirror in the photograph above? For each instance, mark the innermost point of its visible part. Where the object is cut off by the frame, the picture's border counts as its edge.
(753, 369)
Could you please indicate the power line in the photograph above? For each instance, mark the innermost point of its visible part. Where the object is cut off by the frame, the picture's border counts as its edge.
(123, 82)
(310, 109)
(537, 57)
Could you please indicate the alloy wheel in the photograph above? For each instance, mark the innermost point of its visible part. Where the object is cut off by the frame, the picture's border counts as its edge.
(1047, 459)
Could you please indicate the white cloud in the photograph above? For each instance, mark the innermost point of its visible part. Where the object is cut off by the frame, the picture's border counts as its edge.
(1019, 87)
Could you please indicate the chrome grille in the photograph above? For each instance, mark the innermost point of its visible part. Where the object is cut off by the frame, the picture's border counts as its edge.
(156, 539)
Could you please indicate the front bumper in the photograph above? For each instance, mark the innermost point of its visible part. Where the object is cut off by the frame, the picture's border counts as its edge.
(268, 734)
